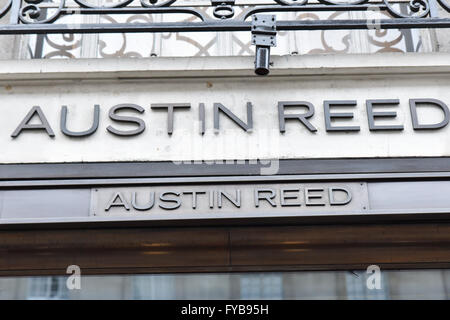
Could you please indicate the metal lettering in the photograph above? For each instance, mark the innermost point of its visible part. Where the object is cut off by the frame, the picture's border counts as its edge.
(148, 206)
(134, 120)
(218, 107)
(371, 115)
(212, 195)
(201, 116)
(285, 197)
(268, 198)
(282, 117)
(170, 107)
(309, 197)
(25, 125)
(334, 202)
(236, 202)
(122, 202)
(88, 132)
(194, 197)
(176, 201)
(343, 115)
(413, 108)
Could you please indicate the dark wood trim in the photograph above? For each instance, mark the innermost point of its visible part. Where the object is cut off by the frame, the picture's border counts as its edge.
(225, 249)
(161, 169)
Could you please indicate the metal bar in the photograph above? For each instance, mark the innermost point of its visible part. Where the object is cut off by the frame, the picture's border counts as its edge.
(221, 179)
(434, 9)
(363, 24)
(255, 9)
(407, 34)
(110, 170)
(412, 214)
(125, 27)
(14, 14)
(220, 26)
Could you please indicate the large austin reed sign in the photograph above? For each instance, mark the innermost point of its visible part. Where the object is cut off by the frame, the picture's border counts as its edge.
(301, 112)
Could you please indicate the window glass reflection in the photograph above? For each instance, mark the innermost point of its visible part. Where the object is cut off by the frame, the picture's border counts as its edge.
(404, 284)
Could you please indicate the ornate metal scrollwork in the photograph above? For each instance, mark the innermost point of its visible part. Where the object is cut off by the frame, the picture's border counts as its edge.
(420, 9)
(223, 9)
(444, 5)
(33, 13)
(86, 4)
(156, 3)
(31, 10)
(335, 3)
(43, 16)
(292, 2)
(156, 6)
(5, 9)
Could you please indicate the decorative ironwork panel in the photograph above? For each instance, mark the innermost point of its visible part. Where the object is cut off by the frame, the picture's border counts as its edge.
(64, 25)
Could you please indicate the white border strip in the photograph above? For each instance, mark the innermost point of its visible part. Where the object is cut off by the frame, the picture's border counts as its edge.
(182, 67)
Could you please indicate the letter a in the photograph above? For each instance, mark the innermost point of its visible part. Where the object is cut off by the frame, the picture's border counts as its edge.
(374, 280)
(24, 125)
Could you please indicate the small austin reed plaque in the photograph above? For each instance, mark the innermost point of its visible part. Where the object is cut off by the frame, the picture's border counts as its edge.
(230, 200)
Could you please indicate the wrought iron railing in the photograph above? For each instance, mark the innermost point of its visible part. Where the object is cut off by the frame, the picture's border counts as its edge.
(41, 17)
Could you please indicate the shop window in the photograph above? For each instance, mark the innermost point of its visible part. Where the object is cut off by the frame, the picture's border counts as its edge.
(259, 286)
(398, 284)
(357, 289)
(47, 288)
(153, 287)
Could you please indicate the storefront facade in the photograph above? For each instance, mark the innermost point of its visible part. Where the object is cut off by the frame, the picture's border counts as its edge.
(192, 177)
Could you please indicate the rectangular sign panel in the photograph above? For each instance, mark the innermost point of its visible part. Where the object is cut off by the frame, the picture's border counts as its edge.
(178, 201)
(226, 119)
(230, 200)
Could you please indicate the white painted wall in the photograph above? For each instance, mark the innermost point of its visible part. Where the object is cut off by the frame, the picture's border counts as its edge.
(83, 83)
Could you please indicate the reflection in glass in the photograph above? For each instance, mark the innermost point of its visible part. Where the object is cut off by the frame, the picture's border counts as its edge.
(404, 284)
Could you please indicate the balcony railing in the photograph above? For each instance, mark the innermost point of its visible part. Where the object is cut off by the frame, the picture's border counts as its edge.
(263, 19)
